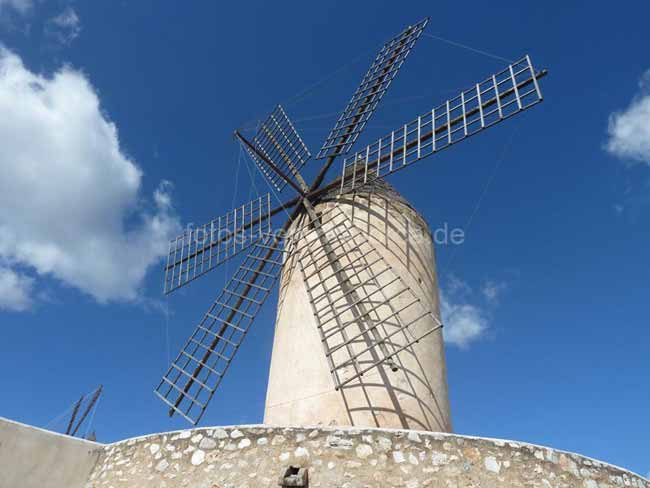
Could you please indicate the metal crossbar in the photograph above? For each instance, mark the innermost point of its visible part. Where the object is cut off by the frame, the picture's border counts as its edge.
(374, 85)
(502, 95)
(197, 371)
(279, 141)
(203, 248)
(352, 291)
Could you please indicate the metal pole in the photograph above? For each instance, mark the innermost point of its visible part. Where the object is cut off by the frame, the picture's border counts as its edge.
(74, 415)
(90, 406)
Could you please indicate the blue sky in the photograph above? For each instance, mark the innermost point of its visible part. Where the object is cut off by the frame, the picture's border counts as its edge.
(117, 130)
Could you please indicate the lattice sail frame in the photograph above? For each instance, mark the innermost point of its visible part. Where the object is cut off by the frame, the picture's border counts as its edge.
(353, 294)
(201, 249)
(197, 371)
(279, 141)
(374, 85)
(499, 97)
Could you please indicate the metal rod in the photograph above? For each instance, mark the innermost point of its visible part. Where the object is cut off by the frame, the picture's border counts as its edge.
(514, 86)
(480, 105)
(377, 363)
(377, 324)
(385, 338)
(173, 408)
(184, 394)
(74, 415)
(354, 288)
(89, 407)
(189, 376)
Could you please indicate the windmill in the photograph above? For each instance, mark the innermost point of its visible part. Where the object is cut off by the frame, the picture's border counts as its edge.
(358, 335)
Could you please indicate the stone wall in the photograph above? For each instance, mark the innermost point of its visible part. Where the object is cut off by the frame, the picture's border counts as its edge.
(255, 456)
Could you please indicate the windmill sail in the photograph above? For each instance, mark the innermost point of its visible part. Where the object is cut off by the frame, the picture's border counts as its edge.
(502, 95)
(201, 249)
(197, 371)
(374, 85)
(353, 293)
(279, 141)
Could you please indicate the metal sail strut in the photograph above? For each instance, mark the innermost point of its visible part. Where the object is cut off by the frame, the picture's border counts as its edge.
(197, 371)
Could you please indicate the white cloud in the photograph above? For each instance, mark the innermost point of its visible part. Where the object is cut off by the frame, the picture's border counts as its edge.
(15, 290)
(71, 203)
(20, 6)
(463, 323)
(466, 316)
(65, 27)
(629, 129)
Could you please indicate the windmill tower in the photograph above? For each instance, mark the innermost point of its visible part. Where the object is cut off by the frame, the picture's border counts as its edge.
(366, 296)
(358, 335)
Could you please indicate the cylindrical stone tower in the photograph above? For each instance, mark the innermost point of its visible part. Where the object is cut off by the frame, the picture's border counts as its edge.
(394, 241)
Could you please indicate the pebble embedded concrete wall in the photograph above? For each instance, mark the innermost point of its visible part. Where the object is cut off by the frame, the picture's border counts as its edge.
(35, 458)
(255, 456)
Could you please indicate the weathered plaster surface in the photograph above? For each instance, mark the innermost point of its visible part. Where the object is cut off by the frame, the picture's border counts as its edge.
(35, 458)
(255, 456)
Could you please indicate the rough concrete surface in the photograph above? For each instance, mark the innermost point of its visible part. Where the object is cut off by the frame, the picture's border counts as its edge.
(255, 456)
(36, 458)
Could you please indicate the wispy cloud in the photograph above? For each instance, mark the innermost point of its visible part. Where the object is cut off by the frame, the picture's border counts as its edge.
(71, 201)
(629, 129)
(456, 286)
(20, 6)
(492, 290)
(64, 28)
